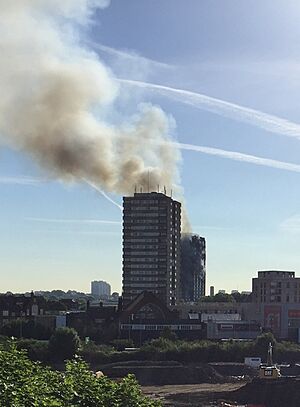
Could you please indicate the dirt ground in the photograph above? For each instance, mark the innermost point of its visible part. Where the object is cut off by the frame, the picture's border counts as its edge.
(191, 395)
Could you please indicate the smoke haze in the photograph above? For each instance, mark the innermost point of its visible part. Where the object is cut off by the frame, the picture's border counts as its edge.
(55, 94)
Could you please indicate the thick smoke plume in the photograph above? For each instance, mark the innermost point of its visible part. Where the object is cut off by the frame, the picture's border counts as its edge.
(54, 96)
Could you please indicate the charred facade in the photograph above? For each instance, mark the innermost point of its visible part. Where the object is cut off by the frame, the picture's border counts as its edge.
(193, 267)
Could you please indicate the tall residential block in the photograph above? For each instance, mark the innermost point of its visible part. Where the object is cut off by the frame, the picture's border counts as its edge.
(100, 289)
(193, 267)
(151, 246)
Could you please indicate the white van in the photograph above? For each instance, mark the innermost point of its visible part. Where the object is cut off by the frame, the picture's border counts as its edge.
(253, 362)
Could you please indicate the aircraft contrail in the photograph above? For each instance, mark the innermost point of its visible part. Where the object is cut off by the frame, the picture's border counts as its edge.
(236, 156)
(91, 184)
(231, 155)
(254, 117)
(127, 55)
(74, 221)
(20, 180)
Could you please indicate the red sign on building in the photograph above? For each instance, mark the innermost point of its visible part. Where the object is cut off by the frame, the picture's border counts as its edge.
(272, 318)
(294, 313)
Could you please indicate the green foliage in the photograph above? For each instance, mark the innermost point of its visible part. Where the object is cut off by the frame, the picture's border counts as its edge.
(19, 328)
(93, 353)
(261, 344)
(36, 350)
(239, 297)
(121, 344)
(220, 297)
(26, 383)
(197, 351)
(167, 333)
(103, 334)
(64, 344)
(162, 349)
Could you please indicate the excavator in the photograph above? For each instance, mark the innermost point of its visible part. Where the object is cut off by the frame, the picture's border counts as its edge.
(269, 371)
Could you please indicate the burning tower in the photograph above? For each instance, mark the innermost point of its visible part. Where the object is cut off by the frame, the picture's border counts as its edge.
(193, 267)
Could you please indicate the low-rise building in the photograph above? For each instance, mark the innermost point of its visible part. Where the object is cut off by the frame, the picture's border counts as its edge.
(147, 317)
(276, 296)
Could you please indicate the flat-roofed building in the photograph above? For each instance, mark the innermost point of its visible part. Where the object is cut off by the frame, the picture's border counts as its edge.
(276, 296)
(100, 289)
(151, 246)
(276, 286)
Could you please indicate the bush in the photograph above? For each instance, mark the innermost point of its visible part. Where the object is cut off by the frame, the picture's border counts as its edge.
(26, 383)
(64, 344)
(204, 351)
(262, 342)
(29, 329)
(167, 333)
(36, 350)
(121, 344)
(93, 353)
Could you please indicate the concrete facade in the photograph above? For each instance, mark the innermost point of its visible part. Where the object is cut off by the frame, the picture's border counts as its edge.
(151, 246)
(100, 289)
(276, 296)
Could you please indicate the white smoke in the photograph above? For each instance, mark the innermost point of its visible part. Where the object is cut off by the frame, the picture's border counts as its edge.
(54, 95)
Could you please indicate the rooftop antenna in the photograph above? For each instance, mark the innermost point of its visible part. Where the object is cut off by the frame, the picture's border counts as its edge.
(148, 181)
(165, 191)
(158, 188)
(135, 189)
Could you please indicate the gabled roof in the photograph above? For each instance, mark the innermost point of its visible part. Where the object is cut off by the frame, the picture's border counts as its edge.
(147, 298)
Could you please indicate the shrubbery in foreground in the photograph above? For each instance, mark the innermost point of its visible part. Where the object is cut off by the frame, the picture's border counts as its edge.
(27, 383)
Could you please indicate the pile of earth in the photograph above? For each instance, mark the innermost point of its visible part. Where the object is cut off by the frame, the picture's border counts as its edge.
(284, 392)
(164, 372)
(229, 369)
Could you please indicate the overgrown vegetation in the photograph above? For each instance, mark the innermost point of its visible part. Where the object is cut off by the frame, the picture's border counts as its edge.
(27, 383)
(204, 351)
(29, 329)
(224, 297)
(167, 347)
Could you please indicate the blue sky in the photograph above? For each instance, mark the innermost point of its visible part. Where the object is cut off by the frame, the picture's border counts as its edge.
(246, 53)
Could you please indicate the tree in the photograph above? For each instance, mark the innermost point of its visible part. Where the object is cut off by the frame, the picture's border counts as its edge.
(219, 297)
(64, 343)
(25, 329)
(27, 383)
(239, 297)
(261, 345)
(167, 333)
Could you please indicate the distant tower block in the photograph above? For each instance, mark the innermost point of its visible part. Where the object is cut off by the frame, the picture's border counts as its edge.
(100, 289)
(211, 290)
